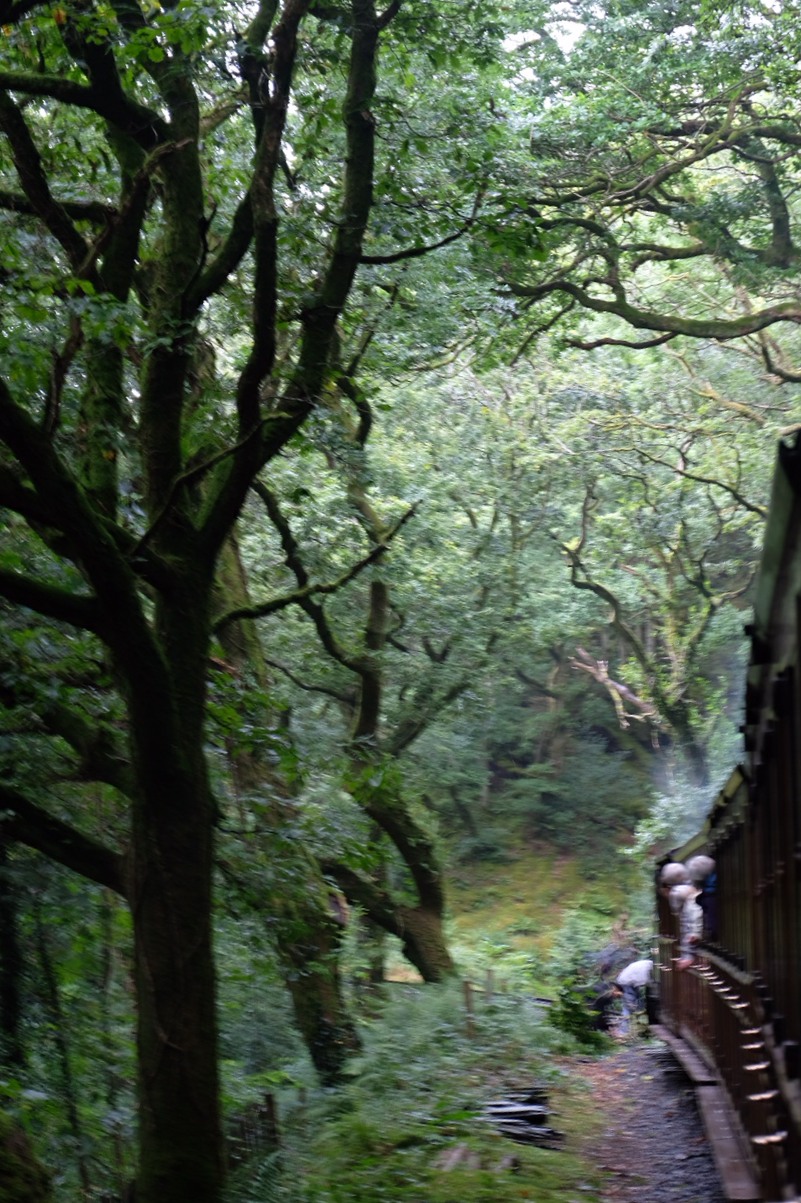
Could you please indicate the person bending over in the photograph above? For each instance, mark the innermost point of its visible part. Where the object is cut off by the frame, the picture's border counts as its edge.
(632, 982)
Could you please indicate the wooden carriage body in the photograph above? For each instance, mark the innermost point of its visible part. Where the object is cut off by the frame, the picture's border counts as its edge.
(739, 1006)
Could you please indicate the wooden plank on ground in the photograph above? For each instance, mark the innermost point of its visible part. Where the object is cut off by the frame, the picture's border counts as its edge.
(697, 1070)
(736, 1175)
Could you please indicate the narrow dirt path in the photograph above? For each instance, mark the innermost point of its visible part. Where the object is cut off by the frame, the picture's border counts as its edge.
(653, 1146)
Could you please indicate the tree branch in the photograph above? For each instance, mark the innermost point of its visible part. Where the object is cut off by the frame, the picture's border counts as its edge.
(144, 126)
(93, 211)
(593, 344)
(27, 823)
(124, 624)
(618, 692)
(227, 259)
(362, 891)
(77, 610)
(28, 163)
(101, 751)
(345, 699)
(752, 507)
(720, 329)
(309, 589)
(427, 705)
(416, 252)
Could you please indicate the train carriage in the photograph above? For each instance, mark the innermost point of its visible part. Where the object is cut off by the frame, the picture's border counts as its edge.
(738, 1007)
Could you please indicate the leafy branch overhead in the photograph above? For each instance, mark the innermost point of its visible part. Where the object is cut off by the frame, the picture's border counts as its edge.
(680, 167)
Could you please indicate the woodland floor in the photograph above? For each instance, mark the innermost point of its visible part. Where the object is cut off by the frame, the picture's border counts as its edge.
(652, 1146)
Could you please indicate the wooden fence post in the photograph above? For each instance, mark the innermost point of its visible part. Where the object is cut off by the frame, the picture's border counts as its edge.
(470, 1026)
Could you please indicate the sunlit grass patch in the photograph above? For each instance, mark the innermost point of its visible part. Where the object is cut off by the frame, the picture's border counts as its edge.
(514, 921)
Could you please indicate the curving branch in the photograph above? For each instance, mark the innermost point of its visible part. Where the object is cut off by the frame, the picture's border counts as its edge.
(414, 845)
(655, 252)
(388, 15)
(88, 210)
(622, 696)
(732, 490)
(28, 163)
(120, 616)
(781, 252)
(27, 823)
(26, 502)
(653, 177)
(542, 328)
(773, 358)
(47, 523)
(146, 127)
(338, 695)
(365, 892)
(416, 252)
(102, 753)
(427, 704)
(304, 595)
(233, 250)
(100, 748)
(719, 329)
(77, 610)
(580, 578)
(594, 343)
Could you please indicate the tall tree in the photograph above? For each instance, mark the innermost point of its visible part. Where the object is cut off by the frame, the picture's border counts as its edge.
(132, 226)
(303, 914)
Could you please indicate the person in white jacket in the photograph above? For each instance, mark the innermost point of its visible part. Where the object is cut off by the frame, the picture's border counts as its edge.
(631, 982)
(683, 902)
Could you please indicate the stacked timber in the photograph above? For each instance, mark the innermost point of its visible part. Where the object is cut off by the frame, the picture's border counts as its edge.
(521, 1115)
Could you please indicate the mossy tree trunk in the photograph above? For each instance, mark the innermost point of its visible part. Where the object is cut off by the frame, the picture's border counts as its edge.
(11, 963)
(142, 587)
(305, 922)
(22, 1177)
(373, 777)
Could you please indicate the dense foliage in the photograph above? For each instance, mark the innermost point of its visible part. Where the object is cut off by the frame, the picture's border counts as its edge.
(350, 530)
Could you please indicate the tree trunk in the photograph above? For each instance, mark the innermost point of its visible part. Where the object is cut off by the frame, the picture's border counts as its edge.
(170, 895)
(307, 925)
(373, 946)
(424, 943)
(421, 927)
(181, 1150)
(10, 967)
(22, 1177)
(311, 970)
(60, 1029)
(687, 743)
(147, 582)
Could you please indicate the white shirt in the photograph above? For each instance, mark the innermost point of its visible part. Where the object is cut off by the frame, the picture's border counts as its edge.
(638, 973)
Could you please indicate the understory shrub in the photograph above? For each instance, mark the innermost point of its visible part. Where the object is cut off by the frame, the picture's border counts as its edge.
(414, 1100)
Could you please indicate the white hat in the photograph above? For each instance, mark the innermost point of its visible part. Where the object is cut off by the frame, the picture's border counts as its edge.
(674, 873)
(699, 867)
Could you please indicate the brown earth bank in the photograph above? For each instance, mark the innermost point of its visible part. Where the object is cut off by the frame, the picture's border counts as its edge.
(651, 1146)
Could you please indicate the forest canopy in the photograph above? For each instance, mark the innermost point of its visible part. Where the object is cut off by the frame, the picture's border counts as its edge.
(388, 403)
